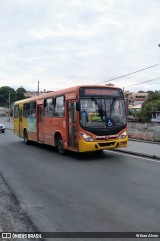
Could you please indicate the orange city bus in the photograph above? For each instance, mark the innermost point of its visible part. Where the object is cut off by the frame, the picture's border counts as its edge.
(82, 119)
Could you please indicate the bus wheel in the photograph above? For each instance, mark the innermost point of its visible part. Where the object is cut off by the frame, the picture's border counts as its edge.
(25, 137)
(60, 145)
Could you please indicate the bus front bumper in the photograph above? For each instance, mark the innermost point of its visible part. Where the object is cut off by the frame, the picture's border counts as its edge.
(85, 146)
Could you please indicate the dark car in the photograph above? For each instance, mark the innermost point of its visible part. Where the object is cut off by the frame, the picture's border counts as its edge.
(2, 128)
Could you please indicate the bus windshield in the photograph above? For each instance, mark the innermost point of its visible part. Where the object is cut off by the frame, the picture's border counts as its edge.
(102, 112)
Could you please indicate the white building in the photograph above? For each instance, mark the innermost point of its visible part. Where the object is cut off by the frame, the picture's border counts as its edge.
(155, 117)
(135, 108)
(4, 111)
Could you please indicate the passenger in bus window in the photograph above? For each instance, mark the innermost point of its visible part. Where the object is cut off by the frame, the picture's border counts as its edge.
(84, 117)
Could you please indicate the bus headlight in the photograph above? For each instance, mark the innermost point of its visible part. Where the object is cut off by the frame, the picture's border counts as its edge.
(86, 137)
(123, 135)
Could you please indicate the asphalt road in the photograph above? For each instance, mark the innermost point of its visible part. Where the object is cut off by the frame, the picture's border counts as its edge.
(91, 192)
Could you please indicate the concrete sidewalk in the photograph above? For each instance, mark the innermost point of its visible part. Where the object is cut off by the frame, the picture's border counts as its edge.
(140, 148)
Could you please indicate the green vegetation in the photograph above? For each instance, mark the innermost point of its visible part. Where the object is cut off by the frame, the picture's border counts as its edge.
(152, 104)
(7, 92)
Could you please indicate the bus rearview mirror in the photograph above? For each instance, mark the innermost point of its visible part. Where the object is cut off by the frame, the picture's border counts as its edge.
(77, 106)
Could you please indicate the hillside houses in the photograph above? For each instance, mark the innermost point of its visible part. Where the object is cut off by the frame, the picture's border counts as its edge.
(135, 98)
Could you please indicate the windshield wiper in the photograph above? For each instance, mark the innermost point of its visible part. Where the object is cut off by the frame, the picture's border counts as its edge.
(99, 105)
(112, 104)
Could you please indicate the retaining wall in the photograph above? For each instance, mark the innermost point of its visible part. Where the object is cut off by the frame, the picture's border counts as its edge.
(147, 131)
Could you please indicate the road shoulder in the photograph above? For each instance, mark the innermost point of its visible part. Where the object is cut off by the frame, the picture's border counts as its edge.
(12, 215)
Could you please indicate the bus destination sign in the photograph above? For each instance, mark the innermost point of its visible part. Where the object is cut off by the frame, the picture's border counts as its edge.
(100, 92)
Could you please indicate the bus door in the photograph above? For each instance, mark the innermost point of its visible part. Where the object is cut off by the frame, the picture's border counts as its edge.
(21, 122)
(40, 123)
(72, 125)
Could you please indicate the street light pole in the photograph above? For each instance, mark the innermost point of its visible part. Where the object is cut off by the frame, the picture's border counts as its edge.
(9, 101)
(38, 87)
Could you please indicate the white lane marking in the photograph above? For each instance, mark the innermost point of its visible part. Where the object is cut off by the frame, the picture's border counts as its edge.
(144, 158)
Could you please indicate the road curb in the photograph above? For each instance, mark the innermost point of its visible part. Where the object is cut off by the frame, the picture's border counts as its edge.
(138, 154)
(11, 129)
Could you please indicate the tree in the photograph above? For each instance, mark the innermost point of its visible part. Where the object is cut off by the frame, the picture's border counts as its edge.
(5, 91)
(20, 96)
(20, 93)
(152, 104)
(150, 92)
(21, 90)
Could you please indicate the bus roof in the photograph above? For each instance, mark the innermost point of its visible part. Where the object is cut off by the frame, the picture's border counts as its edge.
(61, 92)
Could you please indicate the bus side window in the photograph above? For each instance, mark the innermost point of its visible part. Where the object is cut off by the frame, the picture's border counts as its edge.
(16, 111)
(26, 110)
(49, 107)
(59, 106)
(32, 109)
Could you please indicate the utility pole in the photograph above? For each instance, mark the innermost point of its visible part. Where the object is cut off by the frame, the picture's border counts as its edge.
(9, 101)
(38, 87)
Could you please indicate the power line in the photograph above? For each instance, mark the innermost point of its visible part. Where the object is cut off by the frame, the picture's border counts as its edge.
(129, 73)
(143, 82)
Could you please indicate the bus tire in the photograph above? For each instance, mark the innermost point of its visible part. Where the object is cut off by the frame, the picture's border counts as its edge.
(25, 137)
(60, 145)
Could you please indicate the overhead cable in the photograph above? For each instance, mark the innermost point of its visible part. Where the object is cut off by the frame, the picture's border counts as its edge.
(129, 73)
(143, 82)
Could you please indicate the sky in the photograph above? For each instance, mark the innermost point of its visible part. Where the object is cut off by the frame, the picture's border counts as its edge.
(63, 43)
